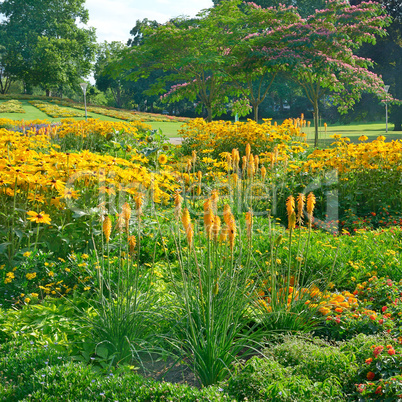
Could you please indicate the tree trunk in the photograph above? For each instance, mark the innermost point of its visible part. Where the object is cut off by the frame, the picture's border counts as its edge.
(209, 115)
(315, 106)
(255, 107)
(47, 92)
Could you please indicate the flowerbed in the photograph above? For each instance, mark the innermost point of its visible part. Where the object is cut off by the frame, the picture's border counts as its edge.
(55, 111)
(11, 106)
(117, 247)
(123, 115)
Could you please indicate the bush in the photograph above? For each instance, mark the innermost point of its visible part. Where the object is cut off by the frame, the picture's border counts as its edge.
(267, 380)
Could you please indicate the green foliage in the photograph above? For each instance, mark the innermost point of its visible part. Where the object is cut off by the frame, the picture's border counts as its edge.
(315, 358)
(43, 44)
(265, 379)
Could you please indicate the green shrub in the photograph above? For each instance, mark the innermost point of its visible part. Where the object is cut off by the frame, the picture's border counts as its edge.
(267, 380)
(20, 359)
(79, 383)
(314, 358)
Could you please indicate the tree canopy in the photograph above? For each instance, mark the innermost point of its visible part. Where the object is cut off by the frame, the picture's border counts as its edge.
(43, 44)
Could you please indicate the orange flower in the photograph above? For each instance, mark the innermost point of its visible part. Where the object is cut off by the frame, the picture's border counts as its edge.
(107, 228)
(126, 214)
(208, 218)
(310, 206)
(290, 205)
(185, 218)
(370, 376)
(263, 172)
(178, 200)
(301, 198)
(248, 150)
(132, 241)
(216, 227)
(292, 221)
(139, 201)
(249, 222)
(214, 200)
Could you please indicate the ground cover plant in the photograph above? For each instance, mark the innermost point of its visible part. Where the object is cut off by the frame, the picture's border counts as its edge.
(119, 251)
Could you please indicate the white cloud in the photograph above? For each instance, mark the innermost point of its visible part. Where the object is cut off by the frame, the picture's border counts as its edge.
(113, 20)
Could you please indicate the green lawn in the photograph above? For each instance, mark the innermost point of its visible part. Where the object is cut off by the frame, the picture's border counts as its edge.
(354, 131)
(170, 129)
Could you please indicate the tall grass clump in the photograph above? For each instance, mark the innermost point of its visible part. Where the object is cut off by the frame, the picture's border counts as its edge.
(122, 317)
(214, 289)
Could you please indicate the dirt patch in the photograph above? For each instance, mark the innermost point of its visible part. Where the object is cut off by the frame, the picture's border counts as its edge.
(168, 370)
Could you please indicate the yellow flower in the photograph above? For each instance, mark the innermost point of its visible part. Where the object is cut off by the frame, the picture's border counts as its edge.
(27, 300)
(162, 159)
(30, 276)
(27, 254)
(39, 217)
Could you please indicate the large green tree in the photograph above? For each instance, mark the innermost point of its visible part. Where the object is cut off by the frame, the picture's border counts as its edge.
(44, 44)
(251, 72)
(106, 54)
(193, 55)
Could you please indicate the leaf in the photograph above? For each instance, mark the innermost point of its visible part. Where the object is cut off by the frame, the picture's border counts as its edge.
(79, 213)
(3, 247)
(102, 352)
(149, 151)
(19, 233)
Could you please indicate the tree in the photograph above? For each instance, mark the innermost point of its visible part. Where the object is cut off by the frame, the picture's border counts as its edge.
(304, 7)
(106, 54)
(44, 44)
(5, 77)
(193, 54)
(387, 56)
(319, 54)
(251, 72)
(137, 31)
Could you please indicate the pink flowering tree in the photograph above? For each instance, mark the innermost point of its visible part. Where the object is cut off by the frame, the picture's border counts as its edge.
(317, 52)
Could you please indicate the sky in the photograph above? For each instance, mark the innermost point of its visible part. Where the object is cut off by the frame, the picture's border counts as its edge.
(113, 19)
